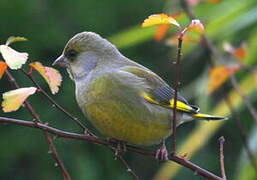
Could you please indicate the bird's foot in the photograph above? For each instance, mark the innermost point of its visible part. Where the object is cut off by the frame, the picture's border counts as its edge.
(119, 146)
(162, 153)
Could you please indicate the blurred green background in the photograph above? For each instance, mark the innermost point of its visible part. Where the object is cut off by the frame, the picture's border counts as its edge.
(49, 24)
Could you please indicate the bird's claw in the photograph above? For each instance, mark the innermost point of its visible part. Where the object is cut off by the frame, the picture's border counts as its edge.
(119, 146)
(162, 153)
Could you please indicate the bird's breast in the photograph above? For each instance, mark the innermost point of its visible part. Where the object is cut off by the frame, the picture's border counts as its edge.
(120, 112)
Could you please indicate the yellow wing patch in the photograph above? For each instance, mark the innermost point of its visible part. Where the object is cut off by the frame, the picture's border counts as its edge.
(180, 105)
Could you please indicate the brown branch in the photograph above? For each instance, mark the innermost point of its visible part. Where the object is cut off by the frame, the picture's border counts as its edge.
(177, 79)
(198, 170)
(36, 119)
(60, 133)
(222, 166)
(29, 75)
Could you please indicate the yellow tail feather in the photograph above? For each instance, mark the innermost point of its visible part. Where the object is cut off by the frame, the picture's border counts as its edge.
(208, 117)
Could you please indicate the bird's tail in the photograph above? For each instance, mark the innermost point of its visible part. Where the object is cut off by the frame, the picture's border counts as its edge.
(208, 117)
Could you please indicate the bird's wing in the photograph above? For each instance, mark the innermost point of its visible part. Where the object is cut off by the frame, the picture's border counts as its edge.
(159, 91)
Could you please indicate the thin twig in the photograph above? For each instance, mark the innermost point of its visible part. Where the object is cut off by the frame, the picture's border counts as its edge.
(60, 133)
(55, 103)
(244, 98)
(177, 79)
(222, 166)
(36, 120)
(126, 165)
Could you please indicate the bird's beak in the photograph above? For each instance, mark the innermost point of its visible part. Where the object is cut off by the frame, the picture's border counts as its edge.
(61, 61)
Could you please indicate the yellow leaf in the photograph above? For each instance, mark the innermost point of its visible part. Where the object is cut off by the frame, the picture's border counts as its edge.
(12, 100)
(3, 67)
(51, 75)
(13, 39)
(196, 26)
(13, 58)
(156, 19)
(219, 75)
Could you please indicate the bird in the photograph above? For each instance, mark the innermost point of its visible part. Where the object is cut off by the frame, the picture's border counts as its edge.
(124, 100)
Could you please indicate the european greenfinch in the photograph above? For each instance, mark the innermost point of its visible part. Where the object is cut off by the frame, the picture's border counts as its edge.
(123, 99)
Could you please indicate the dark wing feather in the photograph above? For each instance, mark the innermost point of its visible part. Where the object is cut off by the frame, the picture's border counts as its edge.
(159, 89)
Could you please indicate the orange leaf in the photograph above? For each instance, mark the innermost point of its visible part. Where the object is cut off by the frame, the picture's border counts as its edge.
(161, 31)
(156, 19)
(3, 67)
(219, 75)
(196, 26)
(238, 53)
(12, 100)
(51, 75)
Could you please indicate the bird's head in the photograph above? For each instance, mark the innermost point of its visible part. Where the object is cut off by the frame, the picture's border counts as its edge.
(83, 52)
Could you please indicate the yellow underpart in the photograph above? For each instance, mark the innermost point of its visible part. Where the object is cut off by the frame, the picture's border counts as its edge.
(180, 105)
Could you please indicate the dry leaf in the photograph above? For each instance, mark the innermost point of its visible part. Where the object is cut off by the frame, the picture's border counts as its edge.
(51, 75)
(156, 19)
(219, 75)
(13, 58)
(12, 100)
(3, 67)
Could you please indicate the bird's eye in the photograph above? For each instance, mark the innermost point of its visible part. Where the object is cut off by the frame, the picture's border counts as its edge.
(71, 53)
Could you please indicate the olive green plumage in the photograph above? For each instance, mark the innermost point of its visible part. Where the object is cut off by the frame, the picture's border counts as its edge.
(123, 99)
